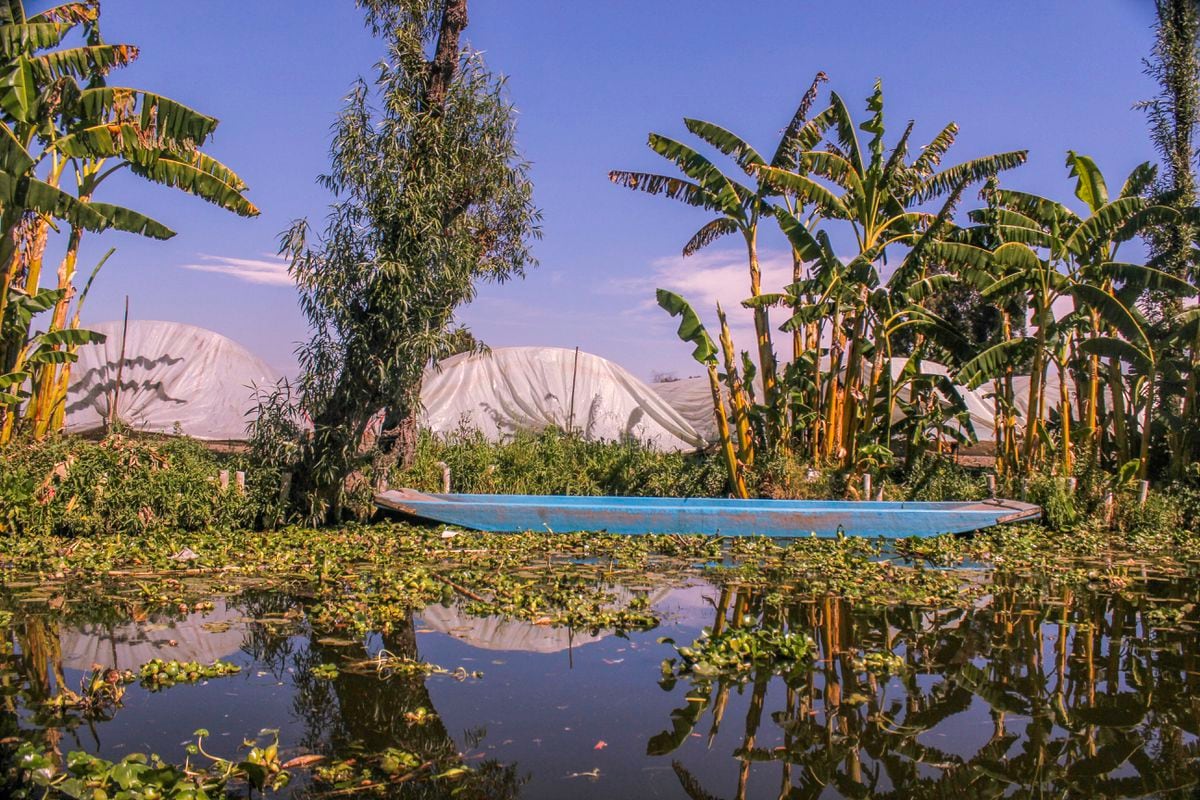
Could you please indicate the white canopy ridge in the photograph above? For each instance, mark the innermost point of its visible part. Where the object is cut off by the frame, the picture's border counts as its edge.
(174, 377)
(512, 389)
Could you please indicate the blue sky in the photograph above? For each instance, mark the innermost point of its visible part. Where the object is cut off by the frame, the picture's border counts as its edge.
(590, 81)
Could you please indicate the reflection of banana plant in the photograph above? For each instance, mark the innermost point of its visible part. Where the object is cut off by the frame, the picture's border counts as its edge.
(1093, 678)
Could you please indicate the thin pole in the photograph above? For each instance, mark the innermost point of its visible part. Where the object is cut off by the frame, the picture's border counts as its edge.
(574, 376)
(112, 408)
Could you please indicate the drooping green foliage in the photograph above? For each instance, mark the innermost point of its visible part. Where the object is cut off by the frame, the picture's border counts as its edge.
(61, 119)
(1024, 300)
(431, 199)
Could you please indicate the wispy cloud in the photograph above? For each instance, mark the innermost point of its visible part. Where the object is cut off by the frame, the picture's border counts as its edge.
(267, 271)
(705, 279)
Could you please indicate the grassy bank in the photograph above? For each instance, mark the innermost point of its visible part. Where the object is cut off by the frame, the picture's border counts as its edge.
(138, 486)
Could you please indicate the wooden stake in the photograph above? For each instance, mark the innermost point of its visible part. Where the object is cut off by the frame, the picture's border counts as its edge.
(239, 480)
(1143, 492)
(445, 476)
(223, 479)
(991, 484)
(1109, 507)
(867, 486)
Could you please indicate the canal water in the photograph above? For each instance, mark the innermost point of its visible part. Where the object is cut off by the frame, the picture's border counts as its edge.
(1092, 693)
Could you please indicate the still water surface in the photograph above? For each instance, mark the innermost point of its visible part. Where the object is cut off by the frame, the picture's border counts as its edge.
(1094, 693)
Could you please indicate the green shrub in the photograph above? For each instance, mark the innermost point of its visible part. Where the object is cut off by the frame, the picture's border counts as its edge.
(119, 484)
(553, 462)
(936, 479)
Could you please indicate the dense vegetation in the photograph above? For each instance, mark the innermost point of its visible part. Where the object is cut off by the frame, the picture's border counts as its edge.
(64, 124)
(431, 199)
(1049, 299)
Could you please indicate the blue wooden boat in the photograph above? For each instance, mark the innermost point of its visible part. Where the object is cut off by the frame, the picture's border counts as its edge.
(514, 513)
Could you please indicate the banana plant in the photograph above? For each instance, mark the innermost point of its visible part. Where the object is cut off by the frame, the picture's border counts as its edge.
(881, 195)
(692, 331)
(1047, 253)
(58, 101)
(739, 209)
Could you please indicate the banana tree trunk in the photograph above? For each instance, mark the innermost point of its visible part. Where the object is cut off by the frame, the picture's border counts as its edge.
(1182, 453)
(1116, 385)
(832, 429)
(1147, 418)
(1064, 412)
(737, 394)
(762, 330)
(853, 390)
(736, 482)
(43, 402)
(1034, 413)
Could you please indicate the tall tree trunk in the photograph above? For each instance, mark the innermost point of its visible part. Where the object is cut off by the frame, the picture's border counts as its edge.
(1147, 420)
(737, 394)
(444, 65)
(766, 354)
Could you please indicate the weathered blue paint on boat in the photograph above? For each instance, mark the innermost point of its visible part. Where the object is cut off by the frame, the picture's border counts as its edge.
(634, 515)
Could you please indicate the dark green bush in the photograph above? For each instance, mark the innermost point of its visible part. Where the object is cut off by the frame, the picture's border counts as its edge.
(552, 462)
(119, 484)
(936, 479)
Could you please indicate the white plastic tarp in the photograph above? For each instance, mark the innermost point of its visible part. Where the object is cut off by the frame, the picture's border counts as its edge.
(129, 645)
(692, 399)
(511, 389)
(175, 376)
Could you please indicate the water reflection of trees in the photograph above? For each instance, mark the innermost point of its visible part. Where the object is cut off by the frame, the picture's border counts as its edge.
(1089, 694)
(362, 714)
(358, 715)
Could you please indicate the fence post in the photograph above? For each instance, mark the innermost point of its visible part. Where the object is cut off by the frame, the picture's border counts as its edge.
(867, 486)
(223, 479)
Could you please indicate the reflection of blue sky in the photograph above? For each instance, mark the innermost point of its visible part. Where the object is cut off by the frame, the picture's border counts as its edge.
(591, 80)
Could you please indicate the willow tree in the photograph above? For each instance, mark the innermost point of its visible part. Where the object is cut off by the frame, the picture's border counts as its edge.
(431, 198)
(1173, 115)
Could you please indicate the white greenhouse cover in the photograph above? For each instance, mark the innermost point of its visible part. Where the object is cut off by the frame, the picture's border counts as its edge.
(174, 375)
(131, 644)
(510, 389)
(692, 399)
